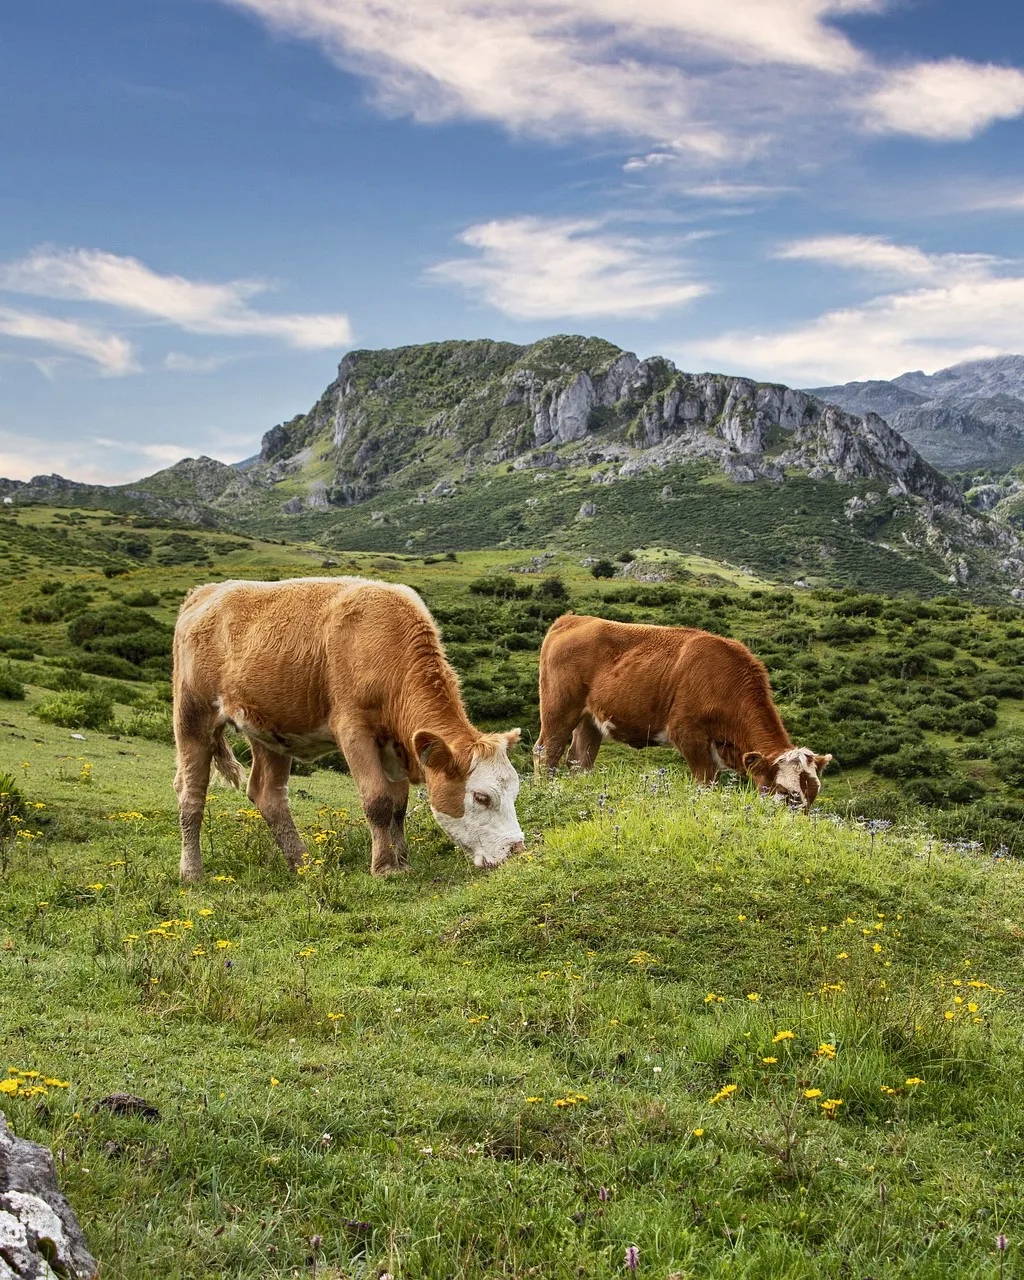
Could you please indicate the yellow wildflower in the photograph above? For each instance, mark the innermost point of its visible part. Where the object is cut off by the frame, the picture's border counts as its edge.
(533, 1098)
(783, 1035)
(913, 1081)
(753, 996)
(726, 1091)
(9, 1086)
(825, 1050)
(698, 1133)
(812, 1093)
(769, 1062)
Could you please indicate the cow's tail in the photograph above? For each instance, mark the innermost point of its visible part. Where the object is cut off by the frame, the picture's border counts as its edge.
(225, 761)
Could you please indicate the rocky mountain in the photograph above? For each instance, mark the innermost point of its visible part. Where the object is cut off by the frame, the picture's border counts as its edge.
(572, 441)
(967, 417)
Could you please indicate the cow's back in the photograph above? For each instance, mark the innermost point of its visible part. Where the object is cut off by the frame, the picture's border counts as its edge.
(285, 647)
(643, 674)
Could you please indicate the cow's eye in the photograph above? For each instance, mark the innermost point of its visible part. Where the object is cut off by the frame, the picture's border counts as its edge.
(482, 799)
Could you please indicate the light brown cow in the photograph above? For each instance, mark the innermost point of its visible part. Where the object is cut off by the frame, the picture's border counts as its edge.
(705, 695)
(309, 664)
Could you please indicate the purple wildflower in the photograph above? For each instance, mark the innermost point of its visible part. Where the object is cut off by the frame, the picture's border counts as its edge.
(632, 1257)
(602, 1195)
(1002, 1244)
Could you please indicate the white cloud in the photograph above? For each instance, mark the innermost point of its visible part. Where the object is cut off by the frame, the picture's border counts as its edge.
(949, 100)
(558, 68)
(112, 353)
(685, 74)
(882, 257)
(955, 315)
(180, 362)
(536, 269)
(91, 275)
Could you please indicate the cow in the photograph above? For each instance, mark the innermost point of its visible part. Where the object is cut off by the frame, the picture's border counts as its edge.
(707, 696)
(306, 665)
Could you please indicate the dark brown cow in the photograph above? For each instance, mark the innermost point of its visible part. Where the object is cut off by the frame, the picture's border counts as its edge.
(705, 695)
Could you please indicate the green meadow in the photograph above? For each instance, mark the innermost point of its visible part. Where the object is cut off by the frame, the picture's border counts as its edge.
(747, 1042)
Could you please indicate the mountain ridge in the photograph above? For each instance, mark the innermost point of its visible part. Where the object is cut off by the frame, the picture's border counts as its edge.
(406, 442)
(968, 416)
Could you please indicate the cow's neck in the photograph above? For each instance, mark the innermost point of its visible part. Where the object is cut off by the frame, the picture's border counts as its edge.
(761, 729)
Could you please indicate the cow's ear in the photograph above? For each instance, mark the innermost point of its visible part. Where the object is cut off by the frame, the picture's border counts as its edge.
(820, 762)
(512, 736)
(431, 751)
(754, 762)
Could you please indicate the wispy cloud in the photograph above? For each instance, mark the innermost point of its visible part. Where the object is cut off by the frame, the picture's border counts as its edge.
(678, 73)
(536, 269)
(879, 256)
(964, 307)
(196, 306)
(112, 353)
(180, 362)
(950, 100)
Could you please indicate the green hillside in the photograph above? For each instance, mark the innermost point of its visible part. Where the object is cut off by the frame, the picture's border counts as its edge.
(748, 1042)
(574, 444)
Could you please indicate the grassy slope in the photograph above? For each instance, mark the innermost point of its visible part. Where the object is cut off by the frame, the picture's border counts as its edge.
(582, 969)
(401, 1133)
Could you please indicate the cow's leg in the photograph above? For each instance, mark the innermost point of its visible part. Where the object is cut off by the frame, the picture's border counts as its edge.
(558, 720)
(268, 790)
(384, 800)
(195, 754)
(586, 743)
(695, 747)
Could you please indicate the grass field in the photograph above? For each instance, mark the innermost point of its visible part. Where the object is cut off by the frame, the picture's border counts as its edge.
(745, 1042)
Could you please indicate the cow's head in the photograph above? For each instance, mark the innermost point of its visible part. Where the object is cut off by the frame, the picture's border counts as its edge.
(792, 776)
(473, 794)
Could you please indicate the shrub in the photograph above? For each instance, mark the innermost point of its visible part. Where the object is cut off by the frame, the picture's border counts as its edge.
(109, 664)
(78, 709)
(602, 569)
(501, 585)
(153, 723)
(143, 599)
(913, 762)
(553, 588)
(12, 804)
(115, 620)
(11, 687)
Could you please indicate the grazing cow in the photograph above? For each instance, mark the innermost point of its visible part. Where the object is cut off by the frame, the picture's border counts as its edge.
(644, 685)
(309, 664)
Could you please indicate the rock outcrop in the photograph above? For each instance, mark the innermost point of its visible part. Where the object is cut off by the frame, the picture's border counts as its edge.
(40, 1238)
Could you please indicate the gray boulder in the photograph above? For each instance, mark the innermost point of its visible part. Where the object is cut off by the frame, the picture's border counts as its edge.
(40, 1238)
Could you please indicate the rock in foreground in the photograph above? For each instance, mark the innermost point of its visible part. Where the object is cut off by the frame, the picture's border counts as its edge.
(40, 1238)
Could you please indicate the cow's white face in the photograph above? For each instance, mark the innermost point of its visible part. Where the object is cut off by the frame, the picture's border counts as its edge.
(477, 810)
(792, 777)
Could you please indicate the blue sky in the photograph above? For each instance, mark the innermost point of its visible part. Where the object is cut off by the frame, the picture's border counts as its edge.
(203, 203)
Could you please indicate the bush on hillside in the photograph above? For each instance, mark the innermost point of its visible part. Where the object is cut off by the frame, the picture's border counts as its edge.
(143, 599)
(11, 687)
(602, 569)
(151, 722)
(109, 664)
(553, 588)
(12, 804)
(502, 585)
(78, 709)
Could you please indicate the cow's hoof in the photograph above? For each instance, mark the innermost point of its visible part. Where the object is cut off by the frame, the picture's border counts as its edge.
(392, 869)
